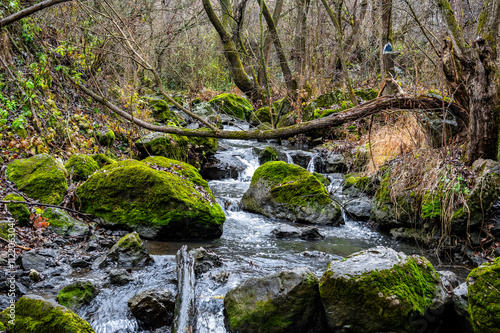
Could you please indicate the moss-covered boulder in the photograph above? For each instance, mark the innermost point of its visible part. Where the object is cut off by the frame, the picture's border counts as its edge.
(63, 224)
(287, 301)
(36, 314)
(232, 105)
(356, 184)
(18, 211)
(263, 115)
(106, 137)
(377, 290)
(41, 177)
(204, 145)
(103, 159)
(269, 154)
(366, 94)
(288, 119)
(161, 110)
(159, 198)
(322, 179)
(484, 297)
(81, 166)
(76, 294)
(129, 251)
(7, 230)
(161, 144)
(288, 191)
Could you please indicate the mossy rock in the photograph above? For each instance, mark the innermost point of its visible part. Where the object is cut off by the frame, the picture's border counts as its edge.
(288, 191)
(232, 105)
(268, 154)
(129, 251)
(63, 224)
(287, 120)
(161, 144)
(355, 184)
(7, 230)
(81, 166)
(322, 179)
(160, 199)
(325, 101)
(103, 159)
(378, 290)
(36, 314)
(484, 297)
(18, 211)
(287, 301)
(366, 94)
(106, 138)
(263, 115)
(160, 106)
(361, 157)
(41, 177)
(75, 295)
(204, 145)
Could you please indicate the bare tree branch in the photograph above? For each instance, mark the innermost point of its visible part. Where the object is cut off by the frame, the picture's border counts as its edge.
(28, 11)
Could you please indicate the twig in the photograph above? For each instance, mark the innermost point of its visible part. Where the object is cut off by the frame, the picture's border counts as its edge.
(18, 246)
(43, 205)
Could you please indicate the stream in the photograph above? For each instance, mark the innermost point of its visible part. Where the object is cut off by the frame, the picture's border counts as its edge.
(247, 249)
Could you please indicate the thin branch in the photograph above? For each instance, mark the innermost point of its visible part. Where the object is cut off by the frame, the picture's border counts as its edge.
(43, 205)
(28, 11)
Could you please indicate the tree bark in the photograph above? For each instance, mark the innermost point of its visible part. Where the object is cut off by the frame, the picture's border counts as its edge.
(29, 11)
(240, 76)
(385, 37)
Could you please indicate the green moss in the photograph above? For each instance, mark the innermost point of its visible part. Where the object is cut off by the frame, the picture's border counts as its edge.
(387, 297)
(41, 177)
(366, 94)
(106, 138)
(322, 179)
(292, 184)
(6, 229)
(160, 107)
(63, 224)
(173, 195)
(18, 211)
(76, 294)
(363, 184)
(102, 160)
(204, 145)
(431, 206)
(287, 120)
(321, 113)
(232, 105)
(269, 154)
(161, 144)
(263, 115)
(81, 166)
(484, 297)
(37, 315)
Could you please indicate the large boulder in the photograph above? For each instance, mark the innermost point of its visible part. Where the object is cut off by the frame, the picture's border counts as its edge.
(76, 294)
(287, 301)
(154, 308)
(484, 297)
(377, 290)
(159, 198)
(129, 251)
(36, 314)
(288, 191)
(162, 144)
(63, 224)
(232, 105)
(41, 177)
(81, 166)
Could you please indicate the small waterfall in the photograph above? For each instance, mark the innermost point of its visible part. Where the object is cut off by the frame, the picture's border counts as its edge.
(310, 166)
(289, 158)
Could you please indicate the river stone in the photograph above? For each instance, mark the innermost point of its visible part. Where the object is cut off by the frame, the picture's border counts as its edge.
(287, 301)
(76, 294)
(31, 260)
(356, 290)
(159, 198)
(120, 277)
(484, 297)
(359, 208)
(461, 307)
(129, 251)
(36, 314)
(41, 177)
(204, 260)
(162, 144)
(65, 225)
(221, 167)
(154, 308)
(310, 233)
(287, 191)
(232, 105)
(285, 231)
(330, 163)
(81, 166)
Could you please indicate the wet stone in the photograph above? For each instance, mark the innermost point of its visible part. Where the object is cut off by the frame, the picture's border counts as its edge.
(120, 277)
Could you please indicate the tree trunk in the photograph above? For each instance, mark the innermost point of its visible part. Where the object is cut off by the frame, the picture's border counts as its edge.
(385, 37)
(29, 11)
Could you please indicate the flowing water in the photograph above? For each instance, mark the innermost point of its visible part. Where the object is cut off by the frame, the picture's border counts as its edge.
(246, 247)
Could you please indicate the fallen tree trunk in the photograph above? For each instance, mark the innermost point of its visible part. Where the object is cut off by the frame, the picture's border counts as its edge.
(360, 111)
(185, 311)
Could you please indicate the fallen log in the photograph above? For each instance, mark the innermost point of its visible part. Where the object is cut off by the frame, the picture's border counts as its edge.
(185, 311)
